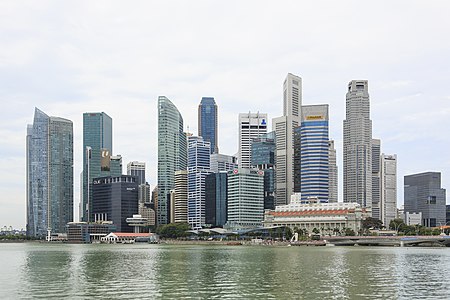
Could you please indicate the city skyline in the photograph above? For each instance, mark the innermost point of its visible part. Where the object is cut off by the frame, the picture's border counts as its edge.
(70, 65)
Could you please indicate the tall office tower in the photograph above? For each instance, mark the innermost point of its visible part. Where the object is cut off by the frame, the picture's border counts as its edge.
(263, 158)
(216, 199)
(49, 174)
(314, 153)
(155, 200)
(333, 174)
(181, 197)
(423, 193)
(376, 179)
(136, 168)
(222, 162)
(245, 198)
(115, 199)
(358, 145)
(97, 151)
(284, 131)
(208, 123)
(388, 188)
(251, 125)
(198, 169)
(172, 153)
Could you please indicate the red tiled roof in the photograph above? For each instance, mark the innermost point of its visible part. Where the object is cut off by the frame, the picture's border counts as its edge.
(128, 234)
(310, 213)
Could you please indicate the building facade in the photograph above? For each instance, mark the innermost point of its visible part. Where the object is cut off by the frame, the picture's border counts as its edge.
(263, 158)
(333, 173)
(136, 168)
(222, 162)
(208, 122)
(284, 132)
(216, 192)
(181, 197)
(358, 145)
(251, 125)
(49, 174)
(388, 188)
(198, 169)
(423, 193)
(245, 198)
(172, 154)
(312, 174)
(376, 179)
(115, 199)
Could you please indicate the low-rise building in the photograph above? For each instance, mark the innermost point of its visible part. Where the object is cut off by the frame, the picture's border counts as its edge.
(413, 218)
(83, 232)
(327, 218)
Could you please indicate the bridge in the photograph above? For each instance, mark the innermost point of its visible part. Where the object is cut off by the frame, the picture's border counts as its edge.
(400, 241)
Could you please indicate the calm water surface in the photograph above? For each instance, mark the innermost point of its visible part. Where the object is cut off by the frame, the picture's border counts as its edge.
(35, 270)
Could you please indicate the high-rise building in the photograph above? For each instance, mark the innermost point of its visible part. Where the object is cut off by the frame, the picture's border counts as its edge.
(388, 188)
(358, 145)
(198, 169)
(376, 179)
(172, 153)
(97, 156)
(115, 199)
(222, 162)
(263, 158)
(207, 122)
(251, 125)
(423, 193)
(284, 131)
(245, 198)
(333, 174)
(181, 197)
(312, 137)
(136, 168)
(49, 174)
(216, 199)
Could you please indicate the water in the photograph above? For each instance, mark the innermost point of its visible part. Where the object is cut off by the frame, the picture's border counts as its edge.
(35, 270)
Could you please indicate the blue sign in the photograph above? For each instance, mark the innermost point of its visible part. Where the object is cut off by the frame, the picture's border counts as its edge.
(263, 122)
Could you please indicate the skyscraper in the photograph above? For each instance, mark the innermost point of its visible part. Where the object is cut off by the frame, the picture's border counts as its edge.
(376, 179)
(208, 123)
(49, 174)
(251, 125)
(284, 131)
(222, 162)
(358, 145)
(181, 197)
(172, 153)
(136, 168)
(198, 169)
(314, 153)
(388, 188)
(423, 193)
(97, 151)
(216, 194)
(263, 158)
(332, 174)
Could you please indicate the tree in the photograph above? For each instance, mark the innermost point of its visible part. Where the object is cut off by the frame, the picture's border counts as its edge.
(173, 230)
(288, 233)
(372, 223)
(315, 230)
(397, 224)
(349, 232)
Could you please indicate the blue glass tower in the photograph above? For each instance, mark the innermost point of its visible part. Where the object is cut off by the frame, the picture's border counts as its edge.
(311, 153)
(207, 122)
(216, 193)
(49, 174)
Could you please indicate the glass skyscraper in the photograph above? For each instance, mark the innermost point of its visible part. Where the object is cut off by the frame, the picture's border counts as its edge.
(312, 175)
(97, 151)
(216, 193)
(207, 122)
(172, 153)
(198, 169)
(49, 174)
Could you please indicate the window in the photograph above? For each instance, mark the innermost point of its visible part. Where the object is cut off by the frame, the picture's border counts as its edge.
(431, 200)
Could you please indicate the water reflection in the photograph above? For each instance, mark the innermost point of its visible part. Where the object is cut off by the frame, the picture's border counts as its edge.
(173, 272)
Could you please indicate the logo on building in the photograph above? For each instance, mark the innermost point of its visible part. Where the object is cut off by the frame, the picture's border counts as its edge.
(315, 117)
(263, 122)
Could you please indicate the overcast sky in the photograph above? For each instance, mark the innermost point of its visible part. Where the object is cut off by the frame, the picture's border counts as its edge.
(67, 58)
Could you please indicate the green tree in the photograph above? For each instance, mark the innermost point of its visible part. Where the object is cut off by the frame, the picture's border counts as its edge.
(288, 233)
(173, 230)
(371, 223)
(315, 230)
(397, 224)
(349, 232)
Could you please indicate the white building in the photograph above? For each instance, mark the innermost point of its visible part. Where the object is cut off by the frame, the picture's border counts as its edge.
(222, 162)
(181, 197)
(251, 125)
(284, 132)
(136, 168)
(245, 198)
(388, 188)
(413, 218)
(328, 218)
(357, 148)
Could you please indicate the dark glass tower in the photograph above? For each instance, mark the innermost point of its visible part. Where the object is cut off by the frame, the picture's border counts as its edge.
(216, 199)
(207, 122)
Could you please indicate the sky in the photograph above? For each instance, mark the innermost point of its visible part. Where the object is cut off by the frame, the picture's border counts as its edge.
(71, 57)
